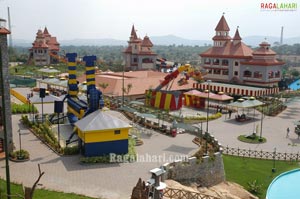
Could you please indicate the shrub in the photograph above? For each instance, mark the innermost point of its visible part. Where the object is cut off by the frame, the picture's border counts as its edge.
(254, 187)
(22, 108)
(71, 150)
(20, 154)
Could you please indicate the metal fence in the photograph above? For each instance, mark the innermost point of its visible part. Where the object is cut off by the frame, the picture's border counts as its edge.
(182, 194)
(261, 154)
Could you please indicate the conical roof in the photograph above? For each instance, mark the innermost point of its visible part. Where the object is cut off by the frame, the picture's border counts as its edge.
(46, 33)
(237, 35)
(146, 42)
(222, 25)
(133, 33)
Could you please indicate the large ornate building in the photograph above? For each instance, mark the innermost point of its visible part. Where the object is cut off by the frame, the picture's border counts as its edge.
(232, 61)
(139, 55)
(44, 49)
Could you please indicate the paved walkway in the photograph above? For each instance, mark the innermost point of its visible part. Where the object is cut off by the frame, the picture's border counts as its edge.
(116, 181)
(111, 181)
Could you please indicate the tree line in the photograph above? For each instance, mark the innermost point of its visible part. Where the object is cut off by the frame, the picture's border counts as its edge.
(112, 57)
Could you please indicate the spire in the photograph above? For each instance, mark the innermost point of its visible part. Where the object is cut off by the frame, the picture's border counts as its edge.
(133, 33)
(237, 35)
(222, 25)
(46, 31)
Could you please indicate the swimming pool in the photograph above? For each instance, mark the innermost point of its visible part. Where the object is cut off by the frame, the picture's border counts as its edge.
(285, 186)
(295, 85)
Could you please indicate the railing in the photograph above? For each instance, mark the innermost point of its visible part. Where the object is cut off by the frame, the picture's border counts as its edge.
(181, 194)
(261, 154)
(18, 95)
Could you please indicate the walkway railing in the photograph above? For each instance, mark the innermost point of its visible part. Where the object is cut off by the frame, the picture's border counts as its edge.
(261, 154)
(182, 194)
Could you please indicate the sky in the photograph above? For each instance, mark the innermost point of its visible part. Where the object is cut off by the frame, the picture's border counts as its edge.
(190, 19)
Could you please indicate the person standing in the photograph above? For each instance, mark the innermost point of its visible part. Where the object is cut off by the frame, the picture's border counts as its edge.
(287, 132)
(229, 113)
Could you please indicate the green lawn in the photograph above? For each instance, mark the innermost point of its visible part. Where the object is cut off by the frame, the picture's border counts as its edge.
(244, 170)
(39, 193)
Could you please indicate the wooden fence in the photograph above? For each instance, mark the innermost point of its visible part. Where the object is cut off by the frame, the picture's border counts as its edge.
(182, 194)
(261, 154)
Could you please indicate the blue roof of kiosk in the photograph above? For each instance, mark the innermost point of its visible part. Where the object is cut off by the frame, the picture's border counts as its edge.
(99, 120)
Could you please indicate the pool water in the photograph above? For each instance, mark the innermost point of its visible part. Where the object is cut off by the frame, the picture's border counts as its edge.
(285, 186)
(295, 85)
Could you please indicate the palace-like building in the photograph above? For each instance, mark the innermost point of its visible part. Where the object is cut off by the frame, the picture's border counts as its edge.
(232, 61)
(139, 55)
(44, 49)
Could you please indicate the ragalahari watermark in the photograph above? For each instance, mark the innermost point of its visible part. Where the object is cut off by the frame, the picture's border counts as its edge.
(284, 6)
(162, 158)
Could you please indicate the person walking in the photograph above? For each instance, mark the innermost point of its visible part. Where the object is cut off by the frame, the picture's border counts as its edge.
(287, 132)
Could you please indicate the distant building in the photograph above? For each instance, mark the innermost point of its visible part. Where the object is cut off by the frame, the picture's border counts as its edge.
(232, 61)
(139, 55)
(44, 49)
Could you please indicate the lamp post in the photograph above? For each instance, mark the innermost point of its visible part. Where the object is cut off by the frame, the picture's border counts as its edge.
(207, 114)
(261, 124)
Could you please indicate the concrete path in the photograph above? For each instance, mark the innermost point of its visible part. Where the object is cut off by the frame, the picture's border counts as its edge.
(273, 129)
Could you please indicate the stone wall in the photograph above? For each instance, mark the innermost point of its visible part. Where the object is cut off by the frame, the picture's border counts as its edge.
(206, 172)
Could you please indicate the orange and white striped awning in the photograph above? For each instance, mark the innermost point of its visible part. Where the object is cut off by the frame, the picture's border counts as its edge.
(232, 89)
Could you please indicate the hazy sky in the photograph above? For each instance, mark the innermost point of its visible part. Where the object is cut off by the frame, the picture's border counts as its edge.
(192, 19)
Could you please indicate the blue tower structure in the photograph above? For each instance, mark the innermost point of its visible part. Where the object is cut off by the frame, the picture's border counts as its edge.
(94, 96)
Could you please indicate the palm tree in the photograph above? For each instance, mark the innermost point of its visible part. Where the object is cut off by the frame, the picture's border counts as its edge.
(103, 85)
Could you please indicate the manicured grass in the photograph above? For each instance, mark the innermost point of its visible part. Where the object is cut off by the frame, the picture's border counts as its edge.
(244, 170)
(251, 140)
(16, 189)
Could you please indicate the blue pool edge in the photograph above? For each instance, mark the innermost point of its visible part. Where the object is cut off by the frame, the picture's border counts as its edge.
(285, 173)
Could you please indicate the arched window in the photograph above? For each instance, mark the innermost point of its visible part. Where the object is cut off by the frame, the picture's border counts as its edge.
(271, 74)
(247, 73)
(277, 74)
(257, 74)
(225, 62)
(216, 62)
(207, 61)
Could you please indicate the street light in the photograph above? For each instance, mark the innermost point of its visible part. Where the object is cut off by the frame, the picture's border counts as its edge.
(207, 114)
(261, 124)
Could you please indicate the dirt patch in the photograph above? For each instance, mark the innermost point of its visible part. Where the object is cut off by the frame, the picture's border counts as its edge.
(224, 190)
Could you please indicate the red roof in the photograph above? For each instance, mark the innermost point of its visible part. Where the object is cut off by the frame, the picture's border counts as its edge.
(44, 40)
(4, 31)
(221, 38)
(128, 50)
(229, 50)
(140, 80)
(264, 56)
(40, 44)
(146, 42)
(222, 25)
(237, 35)
(264, 49)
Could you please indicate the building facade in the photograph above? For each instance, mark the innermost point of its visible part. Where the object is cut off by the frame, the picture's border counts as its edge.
(44, 49)
(139, 55)
(232, 61)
